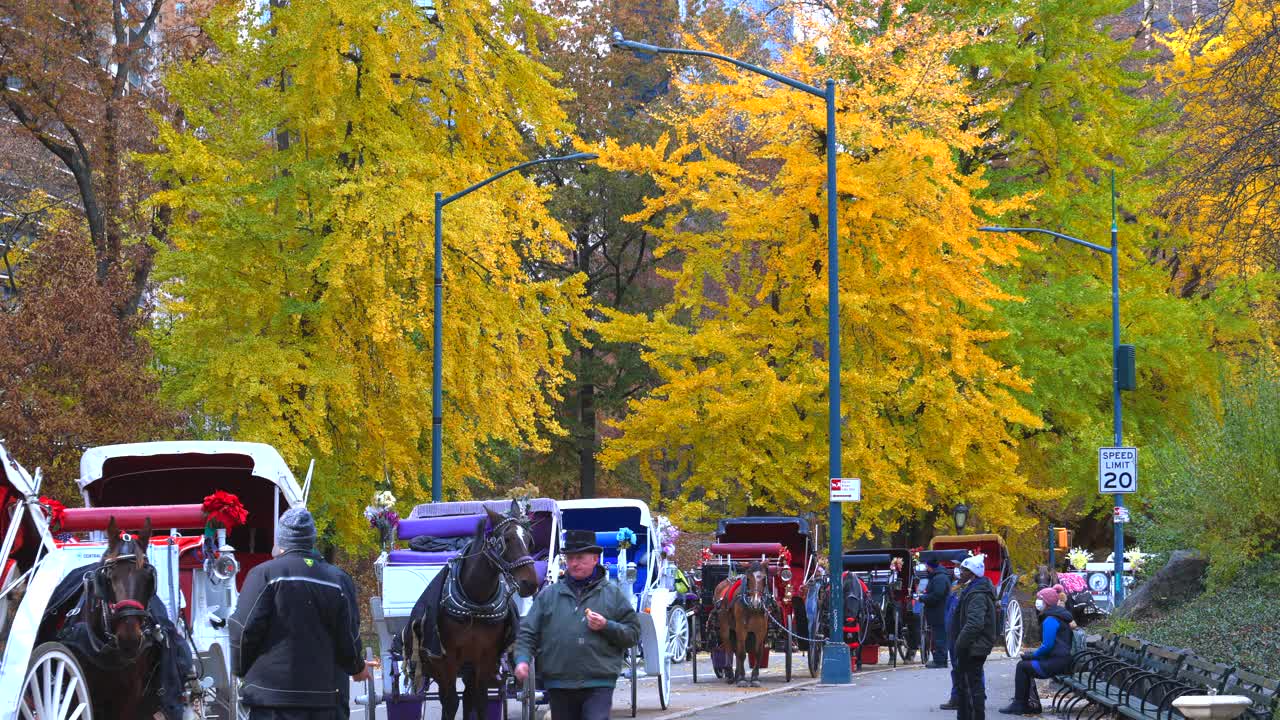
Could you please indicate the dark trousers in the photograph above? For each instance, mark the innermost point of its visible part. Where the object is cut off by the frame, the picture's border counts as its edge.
(580, 704)
(1024, 678)
(955, 680)
(972, 691)
(939, 648)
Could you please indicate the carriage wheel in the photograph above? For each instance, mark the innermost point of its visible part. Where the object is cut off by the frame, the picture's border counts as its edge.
(816, 642)
(694, 645)
(664, 682)
(634, 677)
(677, 634)
(55, 687)
(1013, 629)
(791, 633)
(529, 694)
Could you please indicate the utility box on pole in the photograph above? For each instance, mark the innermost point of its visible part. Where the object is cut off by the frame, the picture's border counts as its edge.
(1126, 367)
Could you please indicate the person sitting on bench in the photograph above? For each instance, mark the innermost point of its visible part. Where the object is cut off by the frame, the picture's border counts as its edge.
(1053, 657)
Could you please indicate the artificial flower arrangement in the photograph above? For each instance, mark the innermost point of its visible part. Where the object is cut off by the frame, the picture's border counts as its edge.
(223, 510)
(626, 538)
(1078, 558)
(667, 536)
(55, 511)
(382, 516)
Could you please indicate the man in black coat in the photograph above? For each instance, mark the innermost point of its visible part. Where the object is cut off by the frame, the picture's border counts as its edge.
(973, 634)
(296, 630)
(935, 611)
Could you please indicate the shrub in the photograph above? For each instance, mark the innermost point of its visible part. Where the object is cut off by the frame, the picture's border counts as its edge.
(1216, 487)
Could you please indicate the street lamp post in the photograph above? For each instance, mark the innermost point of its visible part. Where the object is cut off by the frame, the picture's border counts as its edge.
(1117, 414)
(437, 406)
(835, 657)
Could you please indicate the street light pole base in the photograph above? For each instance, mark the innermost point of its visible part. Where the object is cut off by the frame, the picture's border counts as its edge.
(835, 664)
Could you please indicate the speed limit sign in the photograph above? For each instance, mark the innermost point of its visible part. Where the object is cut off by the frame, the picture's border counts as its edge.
(1117, 470)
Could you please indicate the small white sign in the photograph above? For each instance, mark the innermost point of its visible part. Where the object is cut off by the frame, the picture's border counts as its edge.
(1120, 515)
(846, 489)
(1117, 470)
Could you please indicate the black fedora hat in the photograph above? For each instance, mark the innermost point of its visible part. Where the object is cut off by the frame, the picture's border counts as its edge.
(580, 541)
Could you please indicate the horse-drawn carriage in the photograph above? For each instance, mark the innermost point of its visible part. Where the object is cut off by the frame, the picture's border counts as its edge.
(96, 614)
(878, 586)
(951, 549)
(519, 542)
(631, 538)
(784, 548)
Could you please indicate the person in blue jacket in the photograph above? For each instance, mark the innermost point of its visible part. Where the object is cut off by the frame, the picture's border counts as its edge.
(935, 611)
(1053, 657)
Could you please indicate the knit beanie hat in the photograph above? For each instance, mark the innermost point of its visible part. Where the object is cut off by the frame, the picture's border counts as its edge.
(1049, 596)
(296, 530)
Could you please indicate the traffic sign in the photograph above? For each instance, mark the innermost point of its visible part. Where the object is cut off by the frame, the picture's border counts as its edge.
(1120, 515)
(1117, 470)
(846, 489)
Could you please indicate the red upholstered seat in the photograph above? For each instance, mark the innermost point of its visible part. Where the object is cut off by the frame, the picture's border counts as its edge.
(747, 550)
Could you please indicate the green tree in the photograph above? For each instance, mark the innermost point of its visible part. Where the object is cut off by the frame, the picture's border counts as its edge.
(613, 97)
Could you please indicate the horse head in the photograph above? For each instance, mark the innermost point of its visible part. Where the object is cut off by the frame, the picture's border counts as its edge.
(511, 542)
(125, 583)
(755, 586)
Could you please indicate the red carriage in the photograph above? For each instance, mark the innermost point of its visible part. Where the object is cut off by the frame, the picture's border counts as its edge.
(784, 546)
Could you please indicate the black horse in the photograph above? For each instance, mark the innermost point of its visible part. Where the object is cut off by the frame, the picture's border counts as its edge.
(108, 615)
(469, 608)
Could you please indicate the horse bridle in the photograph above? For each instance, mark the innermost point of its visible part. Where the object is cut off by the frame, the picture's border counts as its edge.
(495, 550)
(114, 610)
(764, 595)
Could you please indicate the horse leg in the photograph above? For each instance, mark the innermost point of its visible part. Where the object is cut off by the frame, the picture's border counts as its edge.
(478, 691)
(740, 650)
(447, 683)
(758, 641)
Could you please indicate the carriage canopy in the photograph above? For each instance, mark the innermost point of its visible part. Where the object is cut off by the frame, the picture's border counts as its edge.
(791, 532)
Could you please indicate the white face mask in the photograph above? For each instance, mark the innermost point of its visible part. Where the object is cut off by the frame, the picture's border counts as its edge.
(957, 573)
(1039, 605)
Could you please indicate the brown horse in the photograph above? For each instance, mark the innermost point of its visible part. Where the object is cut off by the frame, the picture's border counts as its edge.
(476, 619)
(742, 607)
(120, 670)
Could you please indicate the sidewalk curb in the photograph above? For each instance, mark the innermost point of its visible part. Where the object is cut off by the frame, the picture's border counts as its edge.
(792, 687)
(734, 701)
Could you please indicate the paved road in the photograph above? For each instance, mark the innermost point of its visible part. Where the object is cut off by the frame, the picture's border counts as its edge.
(878, 693)
(908, 693)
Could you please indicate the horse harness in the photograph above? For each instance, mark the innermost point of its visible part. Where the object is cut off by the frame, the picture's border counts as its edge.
(496, 609)
(98, 597)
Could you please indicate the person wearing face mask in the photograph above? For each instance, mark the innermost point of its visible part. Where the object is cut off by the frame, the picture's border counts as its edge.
(1053, 657)
(973, 632)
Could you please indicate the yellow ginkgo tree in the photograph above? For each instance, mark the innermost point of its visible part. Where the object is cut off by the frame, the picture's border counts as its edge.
(739, 420)
(296, 300)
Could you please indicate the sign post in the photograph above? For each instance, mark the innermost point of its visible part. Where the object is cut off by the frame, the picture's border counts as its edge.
(846, 490)
(1117, 471)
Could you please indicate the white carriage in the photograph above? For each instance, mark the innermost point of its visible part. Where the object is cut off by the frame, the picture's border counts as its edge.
(404, 574)
(642, 573)
(166, 482)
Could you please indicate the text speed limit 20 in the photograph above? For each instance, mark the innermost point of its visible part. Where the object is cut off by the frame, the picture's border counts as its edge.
(1117, 470)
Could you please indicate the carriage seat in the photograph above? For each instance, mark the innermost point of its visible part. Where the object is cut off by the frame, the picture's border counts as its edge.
(452, 526)
(747, 550)
(414, 557)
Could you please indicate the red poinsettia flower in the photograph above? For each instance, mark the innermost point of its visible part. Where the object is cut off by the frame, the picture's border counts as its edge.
(225, 509)
(56, 511)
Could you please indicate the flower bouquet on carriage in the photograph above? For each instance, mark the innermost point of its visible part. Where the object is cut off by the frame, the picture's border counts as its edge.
(382, 516)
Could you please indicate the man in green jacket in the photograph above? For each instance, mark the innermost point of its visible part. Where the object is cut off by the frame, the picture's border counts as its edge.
(579, 630)
(973, 633)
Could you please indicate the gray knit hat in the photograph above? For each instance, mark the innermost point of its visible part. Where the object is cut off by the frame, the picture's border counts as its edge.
(296, 530)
